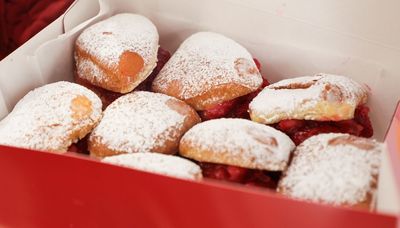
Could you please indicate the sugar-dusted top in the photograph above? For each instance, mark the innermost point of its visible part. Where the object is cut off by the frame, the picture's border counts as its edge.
(338, 169)
(108, 39)
(44, 118)
(296, 98)
(250, 142)
(206, 60)
(158, 163)
(139, 121)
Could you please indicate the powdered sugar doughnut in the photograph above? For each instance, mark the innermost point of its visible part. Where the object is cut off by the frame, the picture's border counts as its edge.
(208, 69)
(118, 53)
(51, 117)
(142, 121)
(158, 163)
(322, 97)
(338, 169)
(237, 142)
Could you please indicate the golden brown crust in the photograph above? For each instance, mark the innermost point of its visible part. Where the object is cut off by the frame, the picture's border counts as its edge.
(237, 142)
(208, 69)
(220, 157)
(99, 150)
(209, 98)
(106, 96)
(122, 79)
(218, 95)
(51, 117)
(322, 97)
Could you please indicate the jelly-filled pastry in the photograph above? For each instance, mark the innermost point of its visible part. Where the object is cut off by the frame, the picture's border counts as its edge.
(118, 53)
(335, 168)
(238, 150)
(142, 121)
(169, 165)
(208, 69)
(51, 117)
(107, 96)
(305, 106)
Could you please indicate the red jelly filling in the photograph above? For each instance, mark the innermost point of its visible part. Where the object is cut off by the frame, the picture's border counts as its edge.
(236, 108)
(300, 130)
(297, 130)
(240, 175)
(80, 147)
(162, 58)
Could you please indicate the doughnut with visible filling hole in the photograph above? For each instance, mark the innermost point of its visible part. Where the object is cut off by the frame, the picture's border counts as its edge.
(118, 53)
(322, 97)
(51, 117)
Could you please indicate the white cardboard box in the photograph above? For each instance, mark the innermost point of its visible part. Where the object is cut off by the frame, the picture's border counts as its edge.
(359, 39)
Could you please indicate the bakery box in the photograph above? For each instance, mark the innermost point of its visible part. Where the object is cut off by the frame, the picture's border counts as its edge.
(357, 39)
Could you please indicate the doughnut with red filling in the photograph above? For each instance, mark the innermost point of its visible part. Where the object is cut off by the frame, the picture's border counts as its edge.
(306, 106)
(208, 69)
(338, 169)
(322, 97)
(238, 143)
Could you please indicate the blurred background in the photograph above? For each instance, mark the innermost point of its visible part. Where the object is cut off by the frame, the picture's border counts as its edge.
(22, 19)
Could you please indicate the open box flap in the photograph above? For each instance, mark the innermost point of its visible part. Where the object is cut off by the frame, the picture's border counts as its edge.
(91, 9)
(55, 57)
(285, 45)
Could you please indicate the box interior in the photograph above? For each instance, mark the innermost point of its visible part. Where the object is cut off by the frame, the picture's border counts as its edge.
(289, 40)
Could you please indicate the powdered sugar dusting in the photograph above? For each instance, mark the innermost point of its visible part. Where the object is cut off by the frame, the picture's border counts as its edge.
(87, 68)
(334, 173)
(296, 98)
(243, 139)
(158, 163)
(43, 119)
(108, 39)
(138, 121)
(206, 60)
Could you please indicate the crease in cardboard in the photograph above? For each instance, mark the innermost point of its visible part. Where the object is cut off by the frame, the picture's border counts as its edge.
(73, 19)
(48, 63)
(25, 77)
(3, 108)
